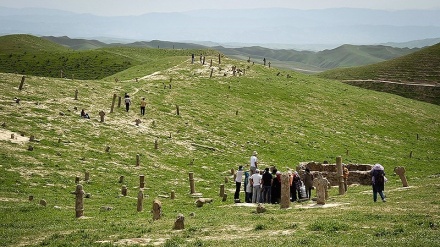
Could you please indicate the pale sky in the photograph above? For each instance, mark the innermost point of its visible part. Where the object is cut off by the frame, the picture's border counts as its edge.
(139, 7)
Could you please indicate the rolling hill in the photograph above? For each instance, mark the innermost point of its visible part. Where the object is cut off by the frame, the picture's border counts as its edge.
(221, 119)
(416, 75)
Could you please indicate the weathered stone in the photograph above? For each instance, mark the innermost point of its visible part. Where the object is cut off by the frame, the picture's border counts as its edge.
(191, 183)
(201, 201)
(400, 170)
(179, 224)
(173, 195)
(285, 191)
(102, 114)
(157, 209)
(43, 203)
(321, 184)
(124, 190)
(140, 201)
(225, 197)
(260, 208)
(141, 181)
(79, 202)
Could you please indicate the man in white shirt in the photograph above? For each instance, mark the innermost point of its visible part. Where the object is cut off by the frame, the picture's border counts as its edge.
(256, 186)
(238, 180)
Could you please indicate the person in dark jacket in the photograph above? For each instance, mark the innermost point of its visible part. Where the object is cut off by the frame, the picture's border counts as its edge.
(378, 181)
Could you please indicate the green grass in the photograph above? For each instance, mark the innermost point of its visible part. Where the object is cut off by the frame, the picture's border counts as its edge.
(287, 120)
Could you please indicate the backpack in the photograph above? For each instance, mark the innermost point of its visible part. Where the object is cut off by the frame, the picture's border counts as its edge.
(379, 178)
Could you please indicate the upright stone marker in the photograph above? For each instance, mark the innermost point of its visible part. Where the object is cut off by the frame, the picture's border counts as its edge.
(79, 203)
(119, 101)
(124, 190)
(222, 190)
(157, 209)
(121, 179)
(102, 114)
(173, 195)
(140, 206)
(76, 94)
(191, 183)
(137, 160)
(141, 181)
(21, 83)
(285, 191)
(340, 171)
(321, 185)
(179, 224)
(113, 103)
(87, 176)
(400, 170)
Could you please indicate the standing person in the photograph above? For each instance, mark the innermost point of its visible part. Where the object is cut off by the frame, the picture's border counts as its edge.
(254, 162)
(127, 102)
(143, 104)
(238, 180)
(308, 182)
(345, 173)
(267, 185)
(256, 186)
(247, 187)
(276, 188)
(378, 181)
(296, 185)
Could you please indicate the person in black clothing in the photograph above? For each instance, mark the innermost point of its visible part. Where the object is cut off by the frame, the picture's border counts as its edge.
(276, 188)
(267, 186)
(378, 181)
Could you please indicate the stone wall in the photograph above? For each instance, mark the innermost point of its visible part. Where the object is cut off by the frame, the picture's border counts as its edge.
(359, 173)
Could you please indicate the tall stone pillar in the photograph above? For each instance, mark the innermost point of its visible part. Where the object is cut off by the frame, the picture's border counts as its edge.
(79, 203)
(141, 181)
(285, 191)
(140, 206)
(191, 183)
(339, 170)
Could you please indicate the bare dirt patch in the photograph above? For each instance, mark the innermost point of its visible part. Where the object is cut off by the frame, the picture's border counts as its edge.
(5, 135)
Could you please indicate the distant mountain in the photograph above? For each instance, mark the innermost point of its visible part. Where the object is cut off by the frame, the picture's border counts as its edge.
(343, 56)
(251, 26)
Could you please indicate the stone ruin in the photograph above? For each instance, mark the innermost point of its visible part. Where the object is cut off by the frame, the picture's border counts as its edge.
(359, 173)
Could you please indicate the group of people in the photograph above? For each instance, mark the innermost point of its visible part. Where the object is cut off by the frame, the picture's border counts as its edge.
(127, 102)
(264, 186)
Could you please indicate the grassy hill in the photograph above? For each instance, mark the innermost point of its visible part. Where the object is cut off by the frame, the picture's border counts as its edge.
(221, 120)
(343, 56)
(29, 55)
(421, 67)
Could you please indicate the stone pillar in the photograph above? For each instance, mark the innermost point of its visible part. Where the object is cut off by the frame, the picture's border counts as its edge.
(12, 136)
(87, 176)
(79, 203)
(137, 121)
(212, 70)
(179, 224)
(43, 203)
(107, 149)
(119, 101)
(177, 110)
(232, 171)
(124, 190)
(157, 209)
(226, 180)
(339, 170)
(173, 195)
(113, 103)
(400, 170)
(219, 60)
(191, 183)
(76, 180)
(76, 94)
(137, 160)
(121, 179)
(31, 198)
(156, 144)
(140, 201)
(21, 83)
(210, 64)
(285, 191)
(321, 185)
(141, 181)
(102, 114)
(222, 190)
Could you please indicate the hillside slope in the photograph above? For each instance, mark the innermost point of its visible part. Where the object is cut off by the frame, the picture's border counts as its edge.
(419, 68)
(206, 120)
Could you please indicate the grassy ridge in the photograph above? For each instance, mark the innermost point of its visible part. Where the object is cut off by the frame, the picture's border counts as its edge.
(44, 58)
(287, 120)
(420, 67)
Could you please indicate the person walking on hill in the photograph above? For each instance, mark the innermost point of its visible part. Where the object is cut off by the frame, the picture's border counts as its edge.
(127, 102)
(143, 104)
(378, 180)
(254, 162)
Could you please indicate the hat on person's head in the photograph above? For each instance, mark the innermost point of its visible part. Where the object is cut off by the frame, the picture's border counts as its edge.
(278, 173)
(254, 153)
(240, 168)
(267, 169)
(257, 171)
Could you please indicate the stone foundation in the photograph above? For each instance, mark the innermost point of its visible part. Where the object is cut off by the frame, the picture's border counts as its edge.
(359, 173)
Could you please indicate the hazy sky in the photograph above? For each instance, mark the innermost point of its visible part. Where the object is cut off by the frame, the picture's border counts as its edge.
(138, 7)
